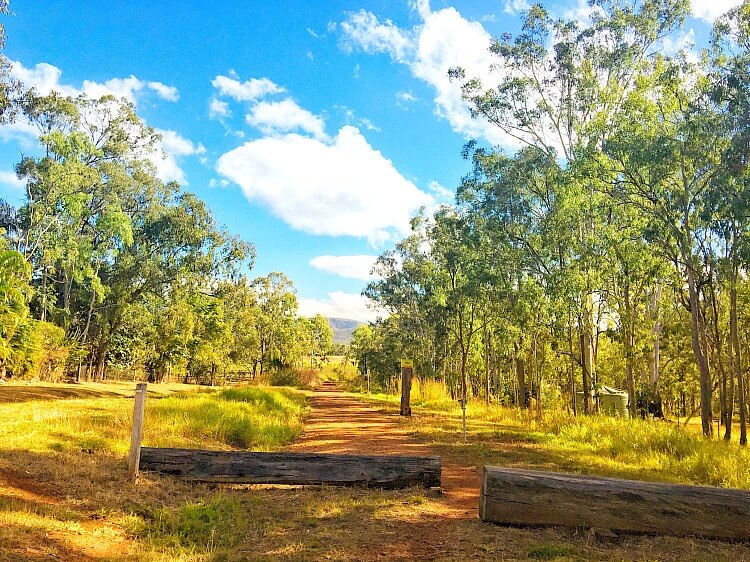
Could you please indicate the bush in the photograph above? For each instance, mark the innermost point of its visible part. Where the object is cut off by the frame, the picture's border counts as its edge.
(299, 378)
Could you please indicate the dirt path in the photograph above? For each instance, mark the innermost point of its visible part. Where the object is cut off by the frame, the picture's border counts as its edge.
(340, 424)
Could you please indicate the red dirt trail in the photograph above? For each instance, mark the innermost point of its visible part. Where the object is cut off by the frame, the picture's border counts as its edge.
(340, 424)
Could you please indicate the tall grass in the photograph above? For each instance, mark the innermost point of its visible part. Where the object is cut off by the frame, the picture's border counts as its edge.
(252, 417)
(648, 449)
(657, 446)
(257, 418)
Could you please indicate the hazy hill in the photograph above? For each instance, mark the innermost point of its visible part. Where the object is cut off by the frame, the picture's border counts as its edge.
(342, 329)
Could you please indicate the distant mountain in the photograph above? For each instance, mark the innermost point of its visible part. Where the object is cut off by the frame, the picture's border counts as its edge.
(343, 329)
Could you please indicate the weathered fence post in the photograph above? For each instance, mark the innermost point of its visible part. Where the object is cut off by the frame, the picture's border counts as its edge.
(406, 372)
(136, 434)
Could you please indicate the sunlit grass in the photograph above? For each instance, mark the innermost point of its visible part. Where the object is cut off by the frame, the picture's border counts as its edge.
(608, 446)
(61, 501)
(257, 418)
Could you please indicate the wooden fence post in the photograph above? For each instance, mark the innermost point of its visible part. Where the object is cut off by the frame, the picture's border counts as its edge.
(137, 431)
(407, 367)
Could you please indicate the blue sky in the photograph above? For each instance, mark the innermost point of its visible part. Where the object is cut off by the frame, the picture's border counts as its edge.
(314, 130)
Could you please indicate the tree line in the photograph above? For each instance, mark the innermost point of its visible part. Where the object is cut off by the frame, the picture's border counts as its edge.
(106, 270)
(610, 247)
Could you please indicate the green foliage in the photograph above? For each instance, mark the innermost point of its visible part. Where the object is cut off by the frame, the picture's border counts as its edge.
(610, 248)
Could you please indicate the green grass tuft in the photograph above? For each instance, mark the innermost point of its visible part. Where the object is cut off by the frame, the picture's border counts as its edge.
(550, 552)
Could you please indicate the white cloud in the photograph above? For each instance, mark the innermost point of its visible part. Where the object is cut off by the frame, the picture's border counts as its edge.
(45, 78)
(249, 90)
(213, 182)
(405, 97)
(170, 149)
(583, 12)
(218, 109)
(709, 10)
(681, 43)
(340, 187)
(273, 118)
(352, 119)
(513, 7)
(404, 100)
(21, 131)
(168, 93)
(443, 40)
(351, 267)
(442, 193)
(364, 30)
(11, 179)
(340, 305)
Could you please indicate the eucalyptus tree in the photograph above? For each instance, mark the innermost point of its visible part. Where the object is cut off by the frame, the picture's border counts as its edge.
(407, 286)
(729, 76)
(666, 151)
(276, 312)
(102, 232)
(560, 85)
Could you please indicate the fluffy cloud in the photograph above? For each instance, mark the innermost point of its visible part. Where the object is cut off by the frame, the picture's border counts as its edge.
(442, 194)
(218, 109)
(363, 29)
(709, 10)
(341, 305)
(169, 93)
(273, 118)
(351, 267)
(443, 40)
(339, 187)
(172, 147)
(46, 78)
(11, 179)
(248, 90)
(21, 131)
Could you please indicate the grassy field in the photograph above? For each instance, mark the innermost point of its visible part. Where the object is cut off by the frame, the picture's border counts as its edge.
(62, 454)
(648, 450)
(64, 493)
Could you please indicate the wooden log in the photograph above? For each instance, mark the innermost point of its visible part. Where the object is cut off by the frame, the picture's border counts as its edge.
(534, 498)
(136, 431)
(293, 468)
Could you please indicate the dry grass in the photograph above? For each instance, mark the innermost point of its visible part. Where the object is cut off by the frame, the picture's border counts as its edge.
(72, 503)
(601, 445)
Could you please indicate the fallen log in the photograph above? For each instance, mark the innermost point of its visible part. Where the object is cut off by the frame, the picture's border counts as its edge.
(534, 498)
(293, 468)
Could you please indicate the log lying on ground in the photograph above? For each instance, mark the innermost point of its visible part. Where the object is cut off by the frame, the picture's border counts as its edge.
(533, 498)
(293, 468)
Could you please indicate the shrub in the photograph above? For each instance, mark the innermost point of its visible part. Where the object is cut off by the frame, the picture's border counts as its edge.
(299, 378)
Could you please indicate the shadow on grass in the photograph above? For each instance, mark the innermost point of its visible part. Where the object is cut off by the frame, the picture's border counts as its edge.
(12, 393)
(42, 494)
